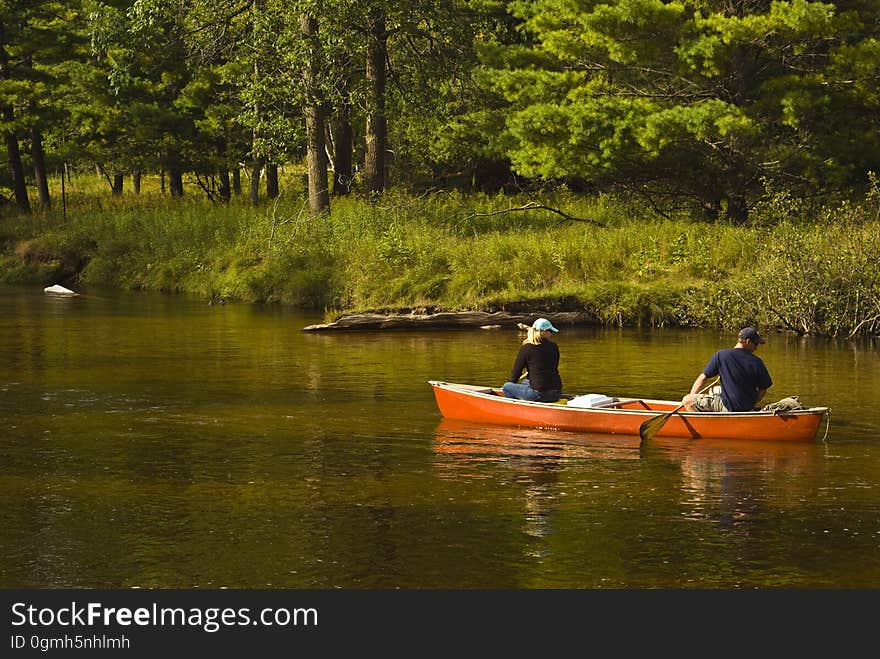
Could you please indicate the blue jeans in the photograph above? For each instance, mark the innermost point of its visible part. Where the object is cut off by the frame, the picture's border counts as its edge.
(524, 391)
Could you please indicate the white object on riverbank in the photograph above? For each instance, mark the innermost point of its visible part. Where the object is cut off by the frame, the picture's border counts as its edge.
(58, 290)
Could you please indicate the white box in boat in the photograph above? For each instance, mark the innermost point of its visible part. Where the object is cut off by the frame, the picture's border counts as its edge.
(590, 400)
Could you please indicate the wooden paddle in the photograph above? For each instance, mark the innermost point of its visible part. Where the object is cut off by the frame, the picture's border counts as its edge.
(650, 427)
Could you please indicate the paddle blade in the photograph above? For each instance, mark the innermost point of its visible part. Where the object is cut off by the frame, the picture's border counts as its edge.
(650, 427)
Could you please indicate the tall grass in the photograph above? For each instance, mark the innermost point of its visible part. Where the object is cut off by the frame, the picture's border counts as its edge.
(616, 262)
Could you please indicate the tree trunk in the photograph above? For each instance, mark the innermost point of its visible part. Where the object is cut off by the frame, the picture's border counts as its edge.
(223, 173)
(444, 319)
(13, 152)
(256, 174)
(342, 137)
(236, 181)
(737, 208)
(15, 167)
(711, 201)
(225, 191)
(736, 187)
(39, 158)
(118, 182)
(271, 181)
(711, 209)
(376, 128)
(65, 175)
(316, 154)
(257, 162)
(175, 181)
(136, 181)
(343, 147)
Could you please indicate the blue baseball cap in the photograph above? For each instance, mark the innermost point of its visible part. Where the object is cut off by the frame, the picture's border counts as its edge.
(752, 335)
(543, 324)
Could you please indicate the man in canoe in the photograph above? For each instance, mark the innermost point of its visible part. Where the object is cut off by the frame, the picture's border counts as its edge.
(744, 378)
(539, 356)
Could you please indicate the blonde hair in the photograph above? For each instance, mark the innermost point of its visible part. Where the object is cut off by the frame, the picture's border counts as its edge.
(534, 337)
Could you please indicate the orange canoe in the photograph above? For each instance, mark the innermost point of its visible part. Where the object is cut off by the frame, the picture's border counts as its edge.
(623, 416)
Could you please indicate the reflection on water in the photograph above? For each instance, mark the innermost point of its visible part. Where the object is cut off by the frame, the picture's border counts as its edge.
(487, 441)
(534, 457)
(737, 485)
(720, 480)
(156, 441)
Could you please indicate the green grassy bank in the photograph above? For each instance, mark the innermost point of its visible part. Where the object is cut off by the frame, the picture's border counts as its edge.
(810, 270)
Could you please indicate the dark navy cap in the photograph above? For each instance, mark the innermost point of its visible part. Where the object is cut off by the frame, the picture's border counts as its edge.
(752, 335)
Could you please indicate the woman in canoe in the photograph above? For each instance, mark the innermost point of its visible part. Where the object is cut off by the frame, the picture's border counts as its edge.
(539, 357)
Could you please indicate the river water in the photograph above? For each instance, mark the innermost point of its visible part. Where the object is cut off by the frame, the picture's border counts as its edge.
(157, 441)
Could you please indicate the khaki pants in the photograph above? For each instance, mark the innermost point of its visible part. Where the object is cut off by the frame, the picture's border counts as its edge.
(709, 403)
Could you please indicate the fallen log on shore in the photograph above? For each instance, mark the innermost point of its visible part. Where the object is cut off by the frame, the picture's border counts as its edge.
(481, 319)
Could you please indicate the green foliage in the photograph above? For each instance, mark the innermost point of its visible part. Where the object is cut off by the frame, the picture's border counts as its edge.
(692, 99)
(693, 104)
(822, 281)
(465, 252)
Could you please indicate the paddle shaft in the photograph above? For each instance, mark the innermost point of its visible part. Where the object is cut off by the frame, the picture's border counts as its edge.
(650, 427)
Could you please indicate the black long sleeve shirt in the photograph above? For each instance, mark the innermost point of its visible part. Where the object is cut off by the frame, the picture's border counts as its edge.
(542, 363)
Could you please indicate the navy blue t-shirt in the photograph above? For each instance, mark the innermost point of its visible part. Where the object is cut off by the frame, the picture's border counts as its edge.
(742, 374)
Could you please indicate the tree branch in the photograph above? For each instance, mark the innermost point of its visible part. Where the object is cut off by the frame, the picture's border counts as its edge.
(536, 206)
